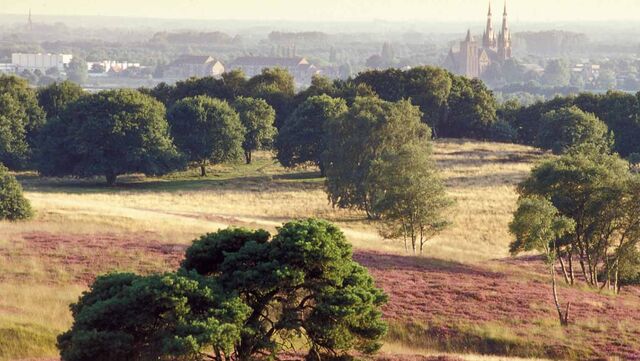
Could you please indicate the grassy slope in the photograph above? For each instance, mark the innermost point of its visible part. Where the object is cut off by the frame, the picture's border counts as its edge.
(83, 229)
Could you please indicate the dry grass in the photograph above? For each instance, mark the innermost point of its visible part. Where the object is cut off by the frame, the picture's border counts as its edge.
(35, 291)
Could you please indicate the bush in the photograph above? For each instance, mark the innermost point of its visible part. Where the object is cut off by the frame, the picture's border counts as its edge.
(13, 205)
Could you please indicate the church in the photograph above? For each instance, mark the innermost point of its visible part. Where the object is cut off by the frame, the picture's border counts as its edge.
(472, 58)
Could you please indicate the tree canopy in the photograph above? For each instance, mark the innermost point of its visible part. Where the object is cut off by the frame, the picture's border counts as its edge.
(570, 127)
(55, 98)
(207, 130)
(13, 205)
(109, 133)
(258, 119)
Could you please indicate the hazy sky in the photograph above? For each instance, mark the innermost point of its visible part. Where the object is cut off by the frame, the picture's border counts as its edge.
(335, 10)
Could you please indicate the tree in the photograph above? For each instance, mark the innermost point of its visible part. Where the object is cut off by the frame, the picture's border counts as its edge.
(109, 133)
(370, 129)
(13, 205)
(77, 71)
(471, 110)
(538, 226)
(570, 127)
(411, 198)
(258, 118)
(302, 139)
(173, 316)
(20, 91)
(207, 130)
(429, 88)
(14, 150)
(302, 283)
(54, 98)
(598, 192)
(277, 87)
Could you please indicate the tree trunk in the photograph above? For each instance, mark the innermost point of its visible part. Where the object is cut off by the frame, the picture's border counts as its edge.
(323, 171)
(111, 179)
(247, 156)
(564, 318)
(564, 270)
(203, 170)
(572, 275)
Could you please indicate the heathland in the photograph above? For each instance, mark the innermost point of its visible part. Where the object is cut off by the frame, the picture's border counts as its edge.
(465, 296)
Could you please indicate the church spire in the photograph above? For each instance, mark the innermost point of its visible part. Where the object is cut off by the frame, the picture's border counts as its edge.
(489, 38)
(489, 13)
(505, 8)
(30, 21)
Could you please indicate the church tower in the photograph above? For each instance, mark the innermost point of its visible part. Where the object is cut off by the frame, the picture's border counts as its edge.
(489, 38)
(504, 39)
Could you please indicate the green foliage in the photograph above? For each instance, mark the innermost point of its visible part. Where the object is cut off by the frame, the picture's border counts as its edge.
(302, 139)
(410, 197)
(303, 283)
(557, 73)
(77, 71)
(13, 205)
(471, 110)
(569, 128)
(19, 90)
(14, 149)
(109, 133)
(370, 129)
(55, 98)
(258, 119)
(276, 86)
(207, 130)
(600, 195)
(172, 316)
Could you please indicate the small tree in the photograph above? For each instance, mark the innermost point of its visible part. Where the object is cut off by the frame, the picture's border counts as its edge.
(411, 198)
(302, 139)
(538, 226)
(207, 130)
(13, 205)
(174, 316)
(109, 133)
(25, 97)
(77, 71)
(258, 118)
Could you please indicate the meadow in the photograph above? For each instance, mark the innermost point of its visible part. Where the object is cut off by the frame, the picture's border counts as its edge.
(466, 296)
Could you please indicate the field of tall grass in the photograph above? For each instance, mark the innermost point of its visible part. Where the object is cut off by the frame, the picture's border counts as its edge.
(83, 228)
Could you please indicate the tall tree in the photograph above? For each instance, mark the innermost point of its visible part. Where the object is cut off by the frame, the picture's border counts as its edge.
(109, 133)
(207, 131)
(471, 110)
(302, 139)
(370, 129)
(258, 118)
(19, 90)
(14, 149)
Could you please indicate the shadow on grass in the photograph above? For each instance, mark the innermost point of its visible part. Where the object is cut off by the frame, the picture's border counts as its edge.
(172, 183)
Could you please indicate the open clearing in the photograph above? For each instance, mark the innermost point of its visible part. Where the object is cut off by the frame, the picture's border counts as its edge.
(465, 296)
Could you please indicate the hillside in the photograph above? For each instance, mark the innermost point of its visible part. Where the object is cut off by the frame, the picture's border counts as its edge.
(465, 296)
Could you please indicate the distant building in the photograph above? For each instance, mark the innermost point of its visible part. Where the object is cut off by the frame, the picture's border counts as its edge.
(188, 66)
(472, 59)
(299, 67)
(41, 62)
(97, 68)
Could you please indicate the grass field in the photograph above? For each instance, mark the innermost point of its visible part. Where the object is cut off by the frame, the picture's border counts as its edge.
(465, 296)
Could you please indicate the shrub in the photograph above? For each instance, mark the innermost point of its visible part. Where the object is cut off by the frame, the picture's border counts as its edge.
(13, 205)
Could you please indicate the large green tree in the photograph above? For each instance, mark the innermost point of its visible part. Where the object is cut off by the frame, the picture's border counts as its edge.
(302, 283)
(568, 128)
(370, 129)
(471, 110)
(109, 133)
(19, 90)
(303, 137)
(126, 317)
(258, 118)
(13, 205)
(207, 130)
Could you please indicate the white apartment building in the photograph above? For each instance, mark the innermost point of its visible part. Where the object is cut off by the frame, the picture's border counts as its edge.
(40, 62)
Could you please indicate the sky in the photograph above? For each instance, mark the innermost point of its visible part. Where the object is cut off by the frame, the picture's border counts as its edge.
(336, 10)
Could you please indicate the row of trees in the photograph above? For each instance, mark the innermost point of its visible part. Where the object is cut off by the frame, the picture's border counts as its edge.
(239, 295)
